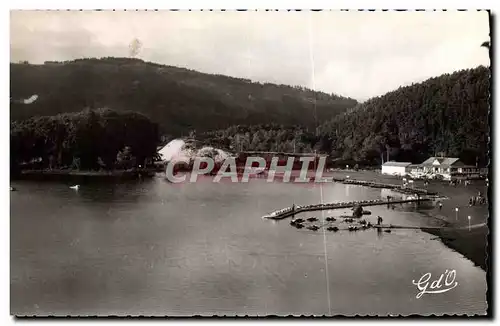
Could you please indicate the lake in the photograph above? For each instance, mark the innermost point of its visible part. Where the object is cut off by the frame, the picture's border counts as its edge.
(155, 248)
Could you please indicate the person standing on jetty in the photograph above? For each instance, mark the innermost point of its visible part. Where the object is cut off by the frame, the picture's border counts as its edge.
(440, 205)
(379, 220)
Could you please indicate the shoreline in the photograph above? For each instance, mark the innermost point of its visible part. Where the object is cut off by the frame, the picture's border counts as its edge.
(70, 174)
(471, 244)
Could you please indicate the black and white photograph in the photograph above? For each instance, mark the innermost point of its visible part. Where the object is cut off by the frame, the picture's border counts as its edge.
(289, 163)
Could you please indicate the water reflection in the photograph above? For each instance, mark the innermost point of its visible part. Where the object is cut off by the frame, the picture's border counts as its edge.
(379, 233)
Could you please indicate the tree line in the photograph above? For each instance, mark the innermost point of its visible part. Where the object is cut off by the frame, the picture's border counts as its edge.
(86, 140)
(445, 115)
(262, 137)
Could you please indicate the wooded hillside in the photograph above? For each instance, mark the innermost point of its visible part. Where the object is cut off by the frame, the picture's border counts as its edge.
(179, 100)
(445, 115)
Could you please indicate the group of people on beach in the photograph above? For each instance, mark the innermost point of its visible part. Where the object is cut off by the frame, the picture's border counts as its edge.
(473, 201)
(477, 200)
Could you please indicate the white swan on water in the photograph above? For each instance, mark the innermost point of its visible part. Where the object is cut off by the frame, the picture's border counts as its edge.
(75, 187)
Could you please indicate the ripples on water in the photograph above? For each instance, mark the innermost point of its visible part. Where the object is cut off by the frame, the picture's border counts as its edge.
(157, 248)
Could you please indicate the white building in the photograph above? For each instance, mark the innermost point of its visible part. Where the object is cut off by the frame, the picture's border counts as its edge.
(395, 168)
(450, 168)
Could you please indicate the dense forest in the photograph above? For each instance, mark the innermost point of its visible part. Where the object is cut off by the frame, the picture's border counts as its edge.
(87, 140)
(445, 115)
(262, 137)
(179, 100)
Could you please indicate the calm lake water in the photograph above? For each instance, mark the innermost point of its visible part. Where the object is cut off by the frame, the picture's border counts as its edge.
(155, 248)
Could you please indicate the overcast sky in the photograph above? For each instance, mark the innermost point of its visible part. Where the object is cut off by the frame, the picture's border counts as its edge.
(355, 54)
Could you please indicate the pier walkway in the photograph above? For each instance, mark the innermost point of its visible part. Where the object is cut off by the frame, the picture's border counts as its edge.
(398, 188)
(289, 211)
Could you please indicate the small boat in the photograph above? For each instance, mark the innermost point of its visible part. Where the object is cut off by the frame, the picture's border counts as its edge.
(75, 187)
(296, 222)
(312, 219)
(13, 189)
(313, 228)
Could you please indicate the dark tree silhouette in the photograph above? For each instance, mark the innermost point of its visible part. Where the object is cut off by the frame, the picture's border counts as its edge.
(90, 139)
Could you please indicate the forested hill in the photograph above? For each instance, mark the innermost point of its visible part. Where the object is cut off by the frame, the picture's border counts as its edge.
(447, 114)
(179, 100)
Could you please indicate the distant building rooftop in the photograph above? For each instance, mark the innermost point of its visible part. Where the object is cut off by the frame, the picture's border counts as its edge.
(392, 163)
(443, 161)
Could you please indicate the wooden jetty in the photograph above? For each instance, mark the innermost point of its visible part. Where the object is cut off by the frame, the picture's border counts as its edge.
(395, 187)
(289, 211)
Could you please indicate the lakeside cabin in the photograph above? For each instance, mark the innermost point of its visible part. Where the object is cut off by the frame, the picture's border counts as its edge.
(449, 168)
(396, 168)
